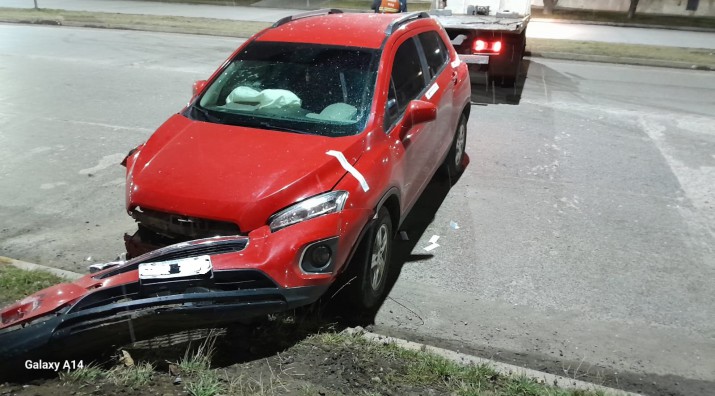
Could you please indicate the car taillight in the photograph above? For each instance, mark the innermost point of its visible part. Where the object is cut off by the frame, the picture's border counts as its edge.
(480, 45)
(496, 46)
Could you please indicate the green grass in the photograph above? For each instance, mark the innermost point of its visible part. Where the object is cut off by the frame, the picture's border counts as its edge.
(627, 53)
(16, 283)
(154, 23)
(401, 371)
(424, 369)
(204, 383)
(89, 374)
(134, 377)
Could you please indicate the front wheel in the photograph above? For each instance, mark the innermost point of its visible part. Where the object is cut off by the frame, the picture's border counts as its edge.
(371, 264)
(454, 163)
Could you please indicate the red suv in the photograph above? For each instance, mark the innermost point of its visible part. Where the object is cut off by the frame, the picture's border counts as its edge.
(293, 165)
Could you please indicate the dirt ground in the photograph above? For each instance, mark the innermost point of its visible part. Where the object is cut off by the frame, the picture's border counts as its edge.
(310, 367)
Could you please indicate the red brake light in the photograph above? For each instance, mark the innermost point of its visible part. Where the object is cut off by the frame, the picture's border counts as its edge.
(486, 46)
(496, 46)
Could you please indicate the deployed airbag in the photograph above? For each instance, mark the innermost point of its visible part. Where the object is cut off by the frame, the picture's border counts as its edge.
(265, 99)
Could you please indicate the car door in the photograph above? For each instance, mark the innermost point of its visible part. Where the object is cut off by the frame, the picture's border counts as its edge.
(440, 92)
(408, 81)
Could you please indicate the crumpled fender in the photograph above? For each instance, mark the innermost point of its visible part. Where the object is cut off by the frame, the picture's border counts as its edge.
(41, 303)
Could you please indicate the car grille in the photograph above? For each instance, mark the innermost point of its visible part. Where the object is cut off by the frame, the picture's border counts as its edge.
(200, 250)
(210, 246)
(183, 227)
(232, 280)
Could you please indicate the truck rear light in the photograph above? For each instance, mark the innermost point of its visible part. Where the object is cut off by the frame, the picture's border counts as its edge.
(480, 45)
(496, 46)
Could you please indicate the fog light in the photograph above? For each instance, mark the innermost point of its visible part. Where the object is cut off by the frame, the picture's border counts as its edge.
(320, 255)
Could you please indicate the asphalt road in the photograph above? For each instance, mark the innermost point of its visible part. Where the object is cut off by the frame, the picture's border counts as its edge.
(586, 219)
(536, 29)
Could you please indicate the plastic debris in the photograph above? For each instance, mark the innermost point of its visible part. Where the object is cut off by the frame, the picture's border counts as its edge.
(433, 243)
(126, 359)
(454, 225)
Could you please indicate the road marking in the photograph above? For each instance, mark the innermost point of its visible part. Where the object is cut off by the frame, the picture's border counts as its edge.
(104, 163)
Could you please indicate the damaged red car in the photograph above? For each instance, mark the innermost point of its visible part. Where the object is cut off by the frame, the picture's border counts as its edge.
(292, 167)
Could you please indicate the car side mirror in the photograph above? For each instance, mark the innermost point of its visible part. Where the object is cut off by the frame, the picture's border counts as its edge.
(417, 112)
(199, 86)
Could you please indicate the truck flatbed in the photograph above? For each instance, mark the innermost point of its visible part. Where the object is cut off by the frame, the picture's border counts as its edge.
(486, 22)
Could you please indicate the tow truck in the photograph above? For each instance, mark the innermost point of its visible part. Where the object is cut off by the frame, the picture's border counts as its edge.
(489, 35)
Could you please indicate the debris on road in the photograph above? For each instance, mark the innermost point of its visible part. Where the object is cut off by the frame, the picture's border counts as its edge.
(433, 243)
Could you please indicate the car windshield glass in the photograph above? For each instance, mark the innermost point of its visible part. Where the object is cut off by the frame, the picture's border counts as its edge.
(293, 87)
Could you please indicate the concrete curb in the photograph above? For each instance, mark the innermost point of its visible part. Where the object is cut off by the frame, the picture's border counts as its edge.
(69, 275)
(501, 368)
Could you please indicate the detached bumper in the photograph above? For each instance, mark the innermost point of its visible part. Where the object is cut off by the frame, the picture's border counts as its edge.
(88, 326)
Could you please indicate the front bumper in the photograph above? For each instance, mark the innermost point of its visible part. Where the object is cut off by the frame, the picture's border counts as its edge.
(88, 326)
(251, 276)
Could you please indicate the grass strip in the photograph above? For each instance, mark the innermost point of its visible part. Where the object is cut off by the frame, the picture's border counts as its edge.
(624, 53)
(16, 283)
(572, 14)
(154, 23)
(419, 370)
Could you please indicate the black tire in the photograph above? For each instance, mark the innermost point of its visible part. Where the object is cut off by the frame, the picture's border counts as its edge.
(454, 165)
(369, 268)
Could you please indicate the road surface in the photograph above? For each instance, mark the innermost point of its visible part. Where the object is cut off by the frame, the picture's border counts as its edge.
(536, 29)
(579, 240)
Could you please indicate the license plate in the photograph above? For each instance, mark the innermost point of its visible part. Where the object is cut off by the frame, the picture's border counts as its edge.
(475, 59)
(180, 268)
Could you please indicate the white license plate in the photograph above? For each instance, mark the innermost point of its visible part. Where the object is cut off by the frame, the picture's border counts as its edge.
(475, 59)
(181, 268)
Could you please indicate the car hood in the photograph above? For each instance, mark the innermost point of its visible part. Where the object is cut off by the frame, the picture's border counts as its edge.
(229, 173)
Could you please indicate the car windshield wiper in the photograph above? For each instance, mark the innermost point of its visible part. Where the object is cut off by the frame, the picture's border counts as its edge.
(205, 114)
(268, 125)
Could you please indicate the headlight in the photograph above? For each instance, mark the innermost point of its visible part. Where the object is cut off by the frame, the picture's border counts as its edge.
(330, 202)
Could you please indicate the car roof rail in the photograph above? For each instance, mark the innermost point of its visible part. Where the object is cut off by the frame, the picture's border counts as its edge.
(406, 18)
(324, 11)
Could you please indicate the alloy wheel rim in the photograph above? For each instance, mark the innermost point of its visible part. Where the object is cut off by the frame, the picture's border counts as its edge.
(379, 257)
(459, 146)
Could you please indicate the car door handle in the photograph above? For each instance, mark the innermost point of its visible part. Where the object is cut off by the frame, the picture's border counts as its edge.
(455, 77)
